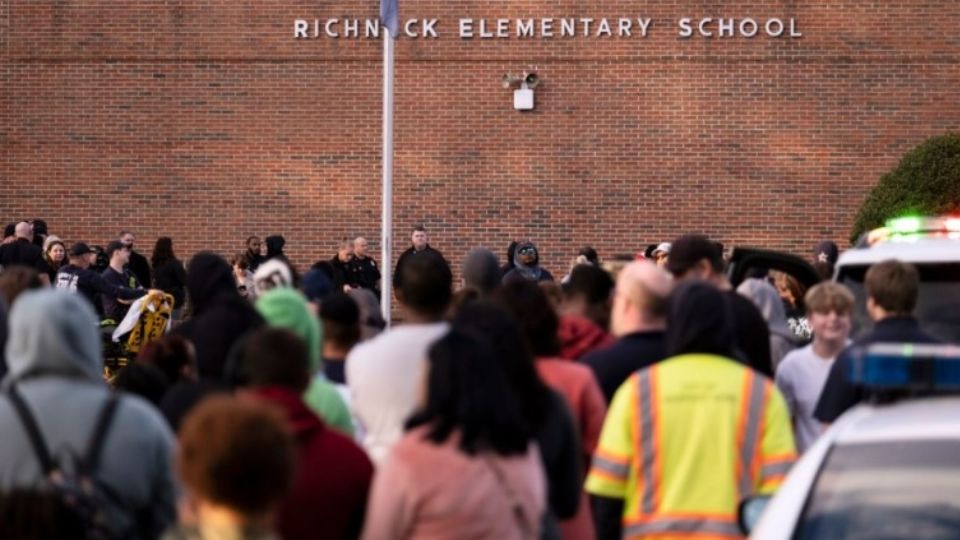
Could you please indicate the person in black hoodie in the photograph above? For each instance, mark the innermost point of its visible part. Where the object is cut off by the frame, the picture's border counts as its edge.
(220, 322)
(220, 315)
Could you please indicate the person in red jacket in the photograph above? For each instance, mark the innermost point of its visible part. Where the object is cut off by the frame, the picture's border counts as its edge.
(329, 494)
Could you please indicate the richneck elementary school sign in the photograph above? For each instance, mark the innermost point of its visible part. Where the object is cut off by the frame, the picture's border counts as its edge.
(548, 28)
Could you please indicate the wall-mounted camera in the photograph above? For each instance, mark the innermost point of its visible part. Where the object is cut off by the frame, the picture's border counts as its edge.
(522, 96)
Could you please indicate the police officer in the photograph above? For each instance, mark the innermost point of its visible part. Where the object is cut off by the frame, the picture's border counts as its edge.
(363, 268)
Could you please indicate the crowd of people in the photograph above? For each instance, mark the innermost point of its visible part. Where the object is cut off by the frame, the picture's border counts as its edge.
(628, 399)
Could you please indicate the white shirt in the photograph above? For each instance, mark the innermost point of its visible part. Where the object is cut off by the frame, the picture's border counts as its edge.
(800, 378)
(384, 375)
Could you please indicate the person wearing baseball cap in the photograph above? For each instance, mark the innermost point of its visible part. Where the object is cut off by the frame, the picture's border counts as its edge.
(78, 277)
(696, 257)
(662, 253)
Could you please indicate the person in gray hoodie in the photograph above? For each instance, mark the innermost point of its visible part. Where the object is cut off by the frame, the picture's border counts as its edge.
(768, 301)
(54, 360)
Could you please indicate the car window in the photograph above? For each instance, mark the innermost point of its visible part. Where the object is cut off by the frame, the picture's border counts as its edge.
(936, 305)
(886, 490)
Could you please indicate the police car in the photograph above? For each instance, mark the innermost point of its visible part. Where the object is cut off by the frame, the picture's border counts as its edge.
(888, 469)
(931, 244)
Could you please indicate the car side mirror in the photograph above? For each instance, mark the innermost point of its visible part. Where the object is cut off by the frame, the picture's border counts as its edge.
(750, 511)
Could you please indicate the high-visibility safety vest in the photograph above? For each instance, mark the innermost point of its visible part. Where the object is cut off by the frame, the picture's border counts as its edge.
(686, 440)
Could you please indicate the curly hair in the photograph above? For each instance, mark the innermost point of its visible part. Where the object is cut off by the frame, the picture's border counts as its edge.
(238, 453)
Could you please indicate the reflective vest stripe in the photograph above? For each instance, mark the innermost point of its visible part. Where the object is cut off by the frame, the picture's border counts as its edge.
(750, 425)
(648, 443)
(611, 469)
(682, 525)
(778, 468)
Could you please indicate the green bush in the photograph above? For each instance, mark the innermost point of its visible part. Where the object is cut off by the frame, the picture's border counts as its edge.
(925, 182)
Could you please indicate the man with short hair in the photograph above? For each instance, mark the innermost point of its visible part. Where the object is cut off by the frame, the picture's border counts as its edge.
(333, 473)
(253, 255)
(803, 372)
(22, 251)
(638, 319)
(481, 271)
(363, 267)
(342, 272)
(78, 277)
(585, 312)
(119, 276)
(695, 257)
(420, 248)
(892, 288)
(384, 373)
(138, 263)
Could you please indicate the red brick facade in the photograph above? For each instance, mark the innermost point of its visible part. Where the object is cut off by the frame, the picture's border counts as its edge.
(207, 121)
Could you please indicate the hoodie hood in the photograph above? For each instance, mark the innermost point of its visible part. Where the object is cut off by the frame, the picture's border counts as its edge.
(287, 308)
(768, 302)
(274, 245)
(208, 278)
(53, 332)
(579, 335)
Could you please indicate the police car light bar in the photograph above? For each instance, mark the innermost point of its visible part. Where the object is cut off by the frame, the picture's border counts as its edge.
(909, 228)
(907, 366)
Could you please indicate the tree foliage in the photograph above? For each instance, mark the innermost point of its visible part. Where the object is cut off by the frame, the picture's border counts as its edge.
(925, 182)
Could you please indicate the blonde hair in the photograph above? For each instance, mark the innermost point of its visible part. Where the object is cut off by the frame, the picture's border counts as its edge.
(829, 296)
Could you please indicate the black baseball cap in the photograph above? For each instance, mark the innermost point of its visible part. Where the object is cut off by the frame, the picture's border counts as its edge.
(690, 249)
(79, 249)
(114, 246)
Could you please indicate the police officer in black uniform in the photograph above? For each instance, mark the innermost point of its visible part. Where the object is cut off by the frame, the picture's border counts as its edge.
(363, 269)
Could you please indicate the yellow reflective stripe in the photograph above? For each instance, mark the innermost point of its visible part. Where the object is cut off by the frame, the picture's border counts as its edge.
(612, 469)
(751, 438)
(682, 525)
(647, 442)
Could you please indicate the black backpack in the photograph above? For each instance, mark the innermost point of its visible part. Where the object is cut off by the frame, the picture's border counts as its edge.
(78, 490)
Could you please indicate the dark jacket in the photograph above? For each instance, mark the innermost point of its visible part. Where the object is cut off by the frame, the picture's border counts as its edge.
(329, 493)
(839, 394)
(112, 309)
(140, 268)
(91, 285)
(341, 273)
(365, 273)
(49, 268)
(753, 334)
(220, 315)
(21, 252)
(253, 260)
(405, 256)
(614, 365)
(170, 277)
(560, 452)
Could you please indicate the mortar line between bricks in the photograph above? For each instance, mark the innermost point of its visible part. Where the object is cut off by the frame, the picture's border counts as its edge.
(778, 60)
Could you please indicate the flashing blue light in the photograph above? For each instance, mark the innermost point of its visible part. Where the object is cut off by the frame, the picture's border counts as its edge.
(907, 367)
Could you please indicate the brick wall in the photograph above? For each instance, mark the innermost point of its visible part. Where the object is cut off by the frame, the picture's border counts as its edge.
(207, 121)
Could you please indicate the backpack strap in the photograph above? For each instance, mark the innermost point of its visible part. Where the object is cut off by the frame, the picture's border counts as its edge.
(33, 431)
(91, 459)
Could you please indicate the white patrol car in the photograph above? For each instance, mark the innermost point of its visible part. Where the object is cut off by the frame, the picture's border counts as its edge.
(887, 470)
(932, 245)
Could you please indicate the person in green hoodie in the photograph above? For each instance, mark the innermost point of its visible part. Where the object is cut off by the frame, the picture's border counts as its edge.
(287, 308)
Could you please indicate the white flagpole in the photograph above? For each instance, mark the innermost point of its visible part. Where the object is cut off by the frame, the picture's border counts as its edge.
(386, 231)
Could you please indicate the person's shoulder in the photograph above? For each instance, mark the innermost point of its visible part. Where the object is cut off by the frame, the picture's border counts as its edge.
(796, 357)
(139, 412)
